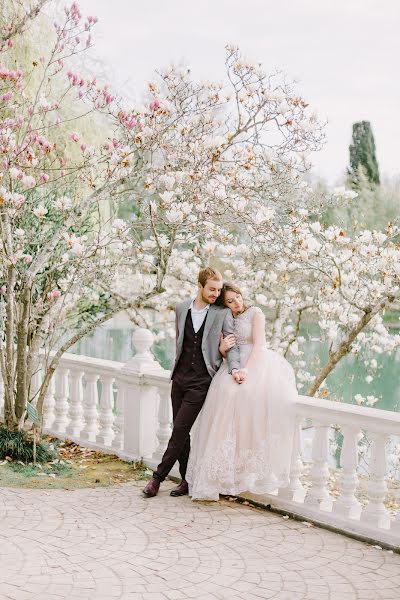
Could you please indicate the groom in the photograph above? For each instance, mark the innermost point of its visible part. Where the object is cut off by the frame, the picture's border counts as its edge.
(199, 324)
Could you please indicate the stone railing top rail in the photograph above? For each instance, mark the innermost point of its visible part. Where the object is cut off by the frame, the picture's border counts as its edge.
(327, 412)
(100, 364)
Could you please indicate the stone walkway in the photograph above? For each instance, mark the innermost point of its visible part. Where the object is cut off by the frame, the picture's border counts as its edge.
(111, 543)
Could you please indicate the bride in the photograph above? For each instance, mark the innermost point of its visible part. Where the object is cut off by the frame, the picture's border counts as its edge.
(243, 436)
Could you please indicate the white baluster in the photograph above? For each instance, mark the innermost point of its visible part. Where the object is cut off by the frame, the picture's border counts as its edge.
(106, 417)
(318, 494)
(61, 401)
(75, 403)
(295, 490)
(118, 441)
(90, 429)
(164, 422)
(49, 405)
(376, 513)
(347, 504)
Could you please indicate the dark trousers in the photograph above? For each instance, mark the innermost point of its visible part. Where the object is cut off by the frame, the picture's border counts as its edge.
(187, 400)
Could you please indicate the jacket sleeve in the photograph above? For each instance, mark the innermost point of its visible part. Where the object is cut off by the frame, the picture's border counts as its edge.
(233, 355)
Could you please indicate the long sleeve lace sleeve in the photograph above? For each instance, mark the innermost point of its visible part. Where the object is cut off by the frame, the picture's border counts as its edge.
(258, 334)
(233, 355)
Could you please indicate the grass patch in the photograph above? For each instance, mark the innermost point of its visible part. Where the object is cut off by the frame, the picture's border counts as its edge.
(75, 467)
(31, 470)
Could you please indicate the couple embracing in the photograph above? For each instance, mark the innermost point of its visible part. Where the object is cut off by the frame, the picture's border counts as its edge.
(243, 391)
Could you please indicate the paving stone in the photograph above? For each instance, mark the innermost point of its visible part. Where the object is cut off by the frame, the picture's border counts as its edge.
(112, 543)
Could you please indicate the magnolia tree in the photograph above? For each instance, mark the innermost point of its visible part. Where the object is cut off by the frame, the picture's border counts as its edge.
(305, 274)
(341, 283)
(201, 163)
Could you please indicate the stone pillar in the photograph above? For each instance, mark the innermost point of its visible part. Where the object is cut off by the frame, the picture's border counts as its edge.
(140, 378)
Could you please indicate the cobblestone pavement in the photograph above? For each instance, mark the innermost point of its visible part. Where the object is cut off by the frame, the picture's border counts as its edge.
(112, 543)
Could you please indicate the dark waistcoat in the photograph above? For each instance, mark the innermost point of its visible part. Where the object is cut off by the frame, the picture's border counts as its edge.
(191, 361)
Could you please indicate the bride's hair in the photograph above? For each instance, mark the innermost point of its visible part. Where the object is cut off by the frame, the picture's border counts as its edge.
(229, 287)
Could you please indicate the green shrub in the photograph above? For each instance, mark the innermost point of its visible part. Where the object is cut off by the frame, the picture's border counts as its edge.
(18, 446)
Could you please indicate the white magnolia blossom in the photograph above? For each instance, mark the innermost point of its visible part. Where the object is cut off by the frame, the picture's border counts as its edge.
(63, 203)
(40, 211)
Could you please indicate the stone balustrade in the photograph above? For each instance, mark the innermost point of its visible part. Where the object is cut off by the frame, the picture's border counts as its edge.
(125, 409)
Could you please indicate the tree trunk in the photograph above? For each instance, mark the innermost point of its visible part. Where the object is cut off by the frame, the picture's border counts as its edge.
(9, 411)
(345, 346)
(21, 396)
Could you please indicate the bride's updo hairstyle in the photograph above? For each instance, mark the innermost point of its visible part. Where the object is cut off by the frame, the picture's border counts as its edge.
(229, 287)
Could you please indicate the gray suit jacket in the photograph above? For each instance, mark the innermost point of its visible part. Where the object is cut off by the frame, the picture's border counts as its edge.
(219, 320)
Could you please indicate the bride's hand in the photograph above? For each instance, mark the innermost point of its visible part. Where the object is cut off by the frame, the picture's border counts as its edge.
(239, 375)
(225, 344)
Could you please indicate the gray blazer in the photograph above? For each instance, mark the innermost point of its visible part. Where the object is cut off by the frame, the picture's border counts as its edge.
(219, 320)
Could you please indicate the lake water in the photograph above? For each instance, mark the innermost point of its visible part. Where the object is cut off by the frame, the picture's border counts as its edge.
(347, 380)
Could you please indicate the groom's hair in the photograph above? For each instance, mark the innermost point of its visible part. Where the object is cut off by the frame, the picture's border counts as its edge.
(209, 273)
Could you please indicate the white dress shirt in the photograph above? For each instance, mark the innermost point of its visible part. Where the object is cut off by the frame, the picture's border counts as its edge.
(198, 316)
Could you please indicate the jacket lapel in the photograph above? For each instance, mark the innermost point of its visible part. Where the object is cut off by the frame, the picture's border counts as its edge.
(182, 319)
(212, 311)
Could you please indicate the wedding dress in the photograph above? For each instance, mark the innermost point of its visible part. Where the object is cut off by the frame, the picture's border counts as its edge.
(242, 440)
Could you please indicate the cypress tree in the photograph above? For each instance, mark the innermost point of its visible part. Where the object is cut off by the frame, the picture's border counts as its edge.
(363, 155)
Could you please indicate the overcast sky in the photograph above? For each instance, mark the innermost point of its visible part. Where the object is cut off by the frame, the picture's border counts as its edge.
(345, 55)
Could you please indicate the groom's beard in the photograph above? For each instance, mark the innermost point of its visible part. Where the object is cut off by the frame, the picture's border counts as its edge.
(208, 299)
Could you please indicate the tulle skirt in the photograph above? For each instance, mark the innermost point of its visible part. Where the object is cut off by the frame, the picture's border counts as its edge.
(242, 439)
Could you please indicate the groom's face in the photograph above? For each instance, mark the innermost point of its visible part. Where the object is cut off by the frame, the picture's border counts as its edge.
(211, 290)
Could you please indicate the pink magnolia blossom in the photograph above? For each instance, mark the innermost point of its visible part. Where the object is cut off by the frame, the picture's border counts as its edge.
(27, 259)
(3, 289)
(6, 97)
(155, 105)
(54, 294)
(44, 177)
(75, 137)
(108, 98)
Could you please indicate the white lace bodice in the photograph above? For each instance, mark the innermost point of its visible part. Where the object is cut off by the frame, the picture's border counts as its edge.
(243, 326)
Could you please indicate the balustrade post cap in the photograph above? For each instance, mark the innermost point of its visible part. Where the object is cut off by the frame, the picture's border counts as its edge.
(142, 339)
(143, 362)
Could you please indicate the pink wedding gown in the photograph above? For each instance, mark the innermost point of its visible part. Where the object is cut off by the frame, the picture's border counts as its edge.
(242, 439)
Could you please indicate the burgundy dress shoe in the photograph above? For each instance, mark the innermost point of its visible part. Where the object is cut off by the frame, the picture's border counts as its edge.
(152, 488)
(181, 490)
